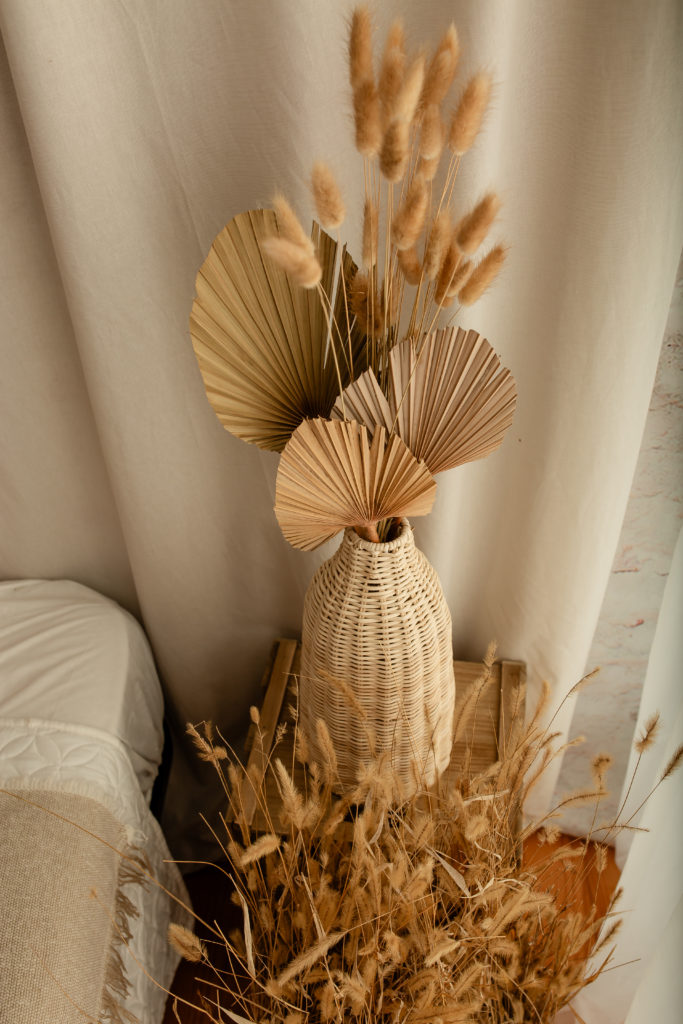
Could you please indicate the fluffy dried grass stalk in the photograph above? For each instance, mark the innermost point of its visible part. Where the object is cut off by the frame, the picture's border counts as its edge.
(407, 225)
(392, 69)
(367, 119)
(304, 269)
(186, 943)
(360, 47)
(409, 94)
(327, 196)
(474, 228)
(432, 134)
(437, 243)
(482, 276)
(393, 157)
(290, 227)
(410, 265)
(441, 69)
(469, 113)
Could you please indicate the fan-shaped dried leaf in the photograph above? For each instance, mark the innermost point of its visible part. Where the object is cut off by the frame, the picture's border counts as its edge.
(331, 475)
(448, 399)
(260, 341)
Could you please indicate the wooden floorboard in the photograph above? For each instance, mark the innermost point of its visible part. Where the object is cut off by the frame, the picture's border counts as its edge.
(210, 892)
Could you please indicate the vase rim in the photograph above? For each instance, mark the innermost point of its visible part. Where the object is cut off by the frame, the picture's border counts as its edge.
(404, 539)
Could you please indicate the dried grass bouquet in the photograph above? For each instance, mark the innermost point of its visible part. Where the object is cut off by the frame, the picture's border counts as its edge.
(381, 911)
(342, 368)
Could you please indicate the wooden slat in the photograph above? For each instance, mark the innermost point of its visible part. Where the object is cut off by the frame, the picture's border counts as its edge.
(270, 714)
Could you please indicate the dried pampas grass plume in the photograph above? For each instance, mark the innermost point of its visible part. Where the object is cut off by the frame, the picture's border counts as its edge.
(474, 228)
(367, 119)
(428, 166)
(469, 114)
(410, 265)
(447, 274)
(409, 93)
(289, 225)
(439, 237)
(186, 943)
(303, 268)
(392, 69)
(409, 220)
(393, 156)
(482, 276)
(649, 735)
(441, 69)
(360, 47)
(327, 196)
(432, 134)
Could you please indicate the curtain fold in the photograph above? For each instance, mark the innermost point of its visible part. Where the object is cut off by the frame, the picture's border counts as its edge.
(650, 940)
(136, 130)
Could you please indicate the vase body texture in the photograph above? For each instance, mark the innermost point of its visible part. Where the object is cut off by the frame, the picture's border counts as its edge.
(377, 661)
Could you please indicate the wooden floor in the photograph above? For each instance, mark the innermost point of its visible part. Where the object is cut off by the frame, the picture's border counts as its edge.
(210, 894)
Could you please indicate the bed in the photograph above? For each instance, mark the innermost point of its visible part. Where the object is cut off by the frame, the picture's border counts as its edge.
(81, 739)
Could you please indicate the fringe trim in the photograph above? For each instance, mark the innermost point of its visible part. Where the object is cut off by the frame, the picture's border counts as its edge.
(116, 983)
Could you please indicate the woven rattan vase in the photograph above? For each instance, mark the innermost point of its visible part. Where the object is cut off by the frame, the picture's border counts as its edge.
(377, 635)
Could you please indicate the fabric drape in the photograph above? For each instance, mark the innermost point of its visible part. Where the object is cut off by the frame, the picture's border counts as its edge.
(133, 131)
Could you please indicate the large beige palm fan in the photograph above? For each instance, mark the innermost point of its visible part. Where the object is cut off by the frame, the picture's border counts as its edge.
(263, 344)
(331, 475)
(447, 397)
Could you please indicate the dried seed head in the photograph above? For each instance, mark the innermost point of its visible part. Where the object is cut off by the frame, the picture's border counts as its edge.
(432, 133)
(393, 155)
(289, 226)
(473, 228)
(446, 274)
(254, 714)
(410, 265)
(649, 734)
(392, 69)
(370, 233)
(360, 47)
(409, 93)
(327, 197)
(441, 70)
(367, 119)
(260, 848)
(674, 763)
(599, 767)
(435, 250)
(409, 220)
(469, 114)
(428, 166)
(482, 276)
(186, 943)
(303, 268)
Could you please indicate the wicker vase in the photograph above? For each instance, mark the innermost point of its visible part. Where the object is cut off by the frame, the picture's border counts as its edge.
(377, 635)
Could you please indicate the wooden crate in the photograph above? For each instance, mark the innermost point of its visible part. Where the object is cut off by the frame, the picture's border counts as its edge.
(491, 723)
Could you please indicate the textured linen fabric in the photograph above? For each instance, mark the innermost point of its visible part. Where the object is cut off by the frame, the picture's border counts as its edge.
(60, 947)
(133, 131)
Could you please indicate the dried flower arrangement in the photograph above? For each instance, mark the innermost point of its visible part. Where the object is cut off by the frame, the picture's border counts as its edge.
(304, 353)
(381, 912)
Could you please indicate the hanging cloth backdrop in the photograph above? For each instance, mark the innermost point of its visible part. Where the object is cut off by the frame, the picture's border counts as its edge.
(132, 131)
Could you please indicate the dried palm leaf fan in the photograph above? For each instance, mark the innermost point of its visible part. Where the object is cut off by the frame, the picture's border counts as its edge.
(448, 398)
(331, 477)
(262, 342)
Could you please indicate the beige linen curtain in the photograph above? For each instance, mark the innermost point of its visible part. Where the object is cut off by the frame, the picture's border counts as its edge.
(132, 130)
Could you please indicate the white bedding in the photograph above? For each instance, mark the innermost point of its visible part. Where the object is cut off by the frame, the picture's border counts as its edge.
(70, 655)
(81, 712)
